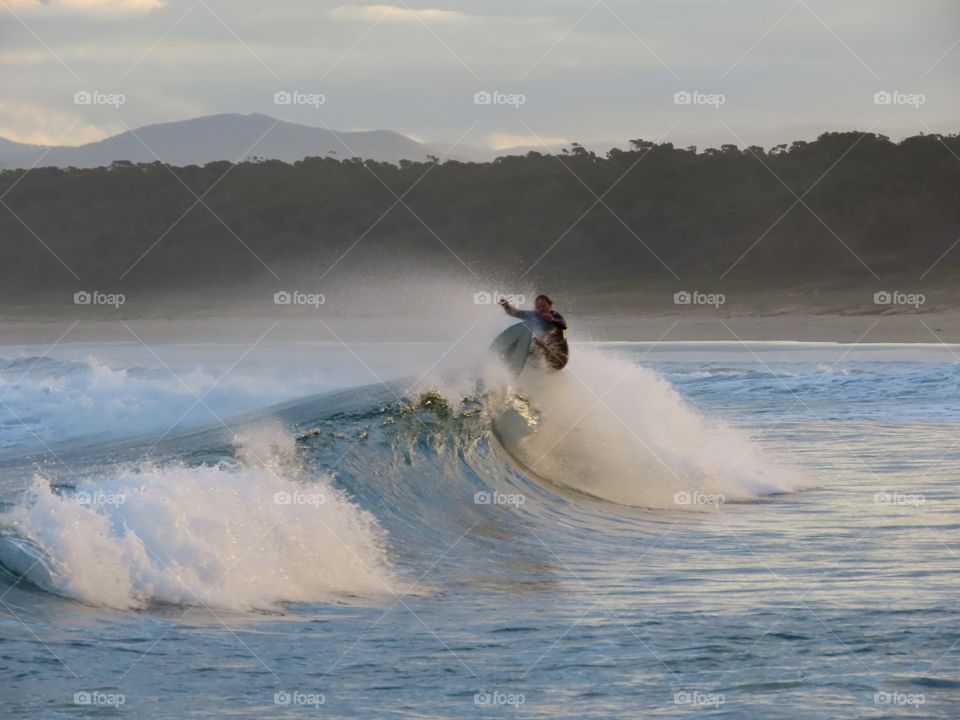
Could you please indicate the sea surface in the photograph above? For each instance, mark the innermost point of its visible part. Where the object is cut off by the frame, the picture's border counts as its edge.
(759, 530)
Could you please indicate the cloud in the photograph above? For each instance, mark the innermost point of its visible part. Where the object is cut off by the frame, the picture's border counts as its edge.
(503, 141)
(597, 81)
(81, 7)
(24, 57)
(40, 124)
(392, 13)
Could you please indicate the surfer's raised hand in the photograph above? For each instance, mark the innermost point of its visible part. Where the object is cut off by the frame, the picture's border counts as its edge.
(504, 302)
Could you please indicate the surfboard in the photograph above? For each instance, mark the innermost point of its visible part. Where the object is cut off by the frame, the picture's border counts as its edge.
(513, 346)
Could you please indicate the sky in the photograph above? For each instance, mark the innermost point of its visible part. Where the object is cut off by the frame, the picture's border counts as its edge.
(486, 73)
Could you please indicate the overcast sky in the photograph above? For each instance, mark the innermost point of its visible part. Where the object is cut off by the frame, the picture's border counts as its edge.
(767, 71)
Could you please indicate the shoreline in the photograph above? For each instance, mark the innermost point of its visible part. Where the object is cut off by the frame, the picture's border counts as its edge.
(822, 311)
(932, 327)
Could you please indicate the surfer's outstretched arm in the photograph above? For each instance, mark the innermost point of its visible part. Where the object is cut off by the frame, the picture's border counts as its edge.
(511, 310)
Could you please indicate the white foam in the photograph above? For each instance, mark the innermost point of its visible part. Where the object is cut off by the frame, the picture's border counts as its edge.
(58, 400)
(214, 535)
(613, 429)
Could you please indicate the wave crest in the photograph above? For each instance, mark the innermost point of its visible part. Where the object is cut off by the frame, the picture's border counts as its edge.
(240, 535)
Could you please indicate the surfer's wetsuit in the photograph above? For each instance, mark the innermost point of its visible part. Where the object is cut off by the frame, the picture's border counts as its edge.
(549, 338)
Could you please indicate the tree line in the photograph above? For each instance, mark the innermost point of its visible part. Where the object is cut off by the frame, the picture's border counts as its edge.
(845, 206)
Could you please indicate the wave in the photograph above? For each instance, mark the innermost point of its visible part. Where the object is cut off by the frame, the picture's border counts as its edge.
(885, 391)
(46, 399)
(331, 498)
(242, 535)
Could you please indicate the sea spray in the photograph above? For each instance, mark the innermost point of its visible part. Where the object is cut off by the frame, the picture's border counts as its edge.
(615, 430)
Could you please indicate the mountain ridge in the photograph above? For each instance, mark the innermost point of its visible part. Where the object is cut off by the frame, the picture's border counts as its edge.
(225, 136)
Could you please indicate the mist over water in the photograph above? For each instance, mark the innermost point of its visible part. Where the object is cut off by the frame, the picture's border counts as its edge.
(176, 367)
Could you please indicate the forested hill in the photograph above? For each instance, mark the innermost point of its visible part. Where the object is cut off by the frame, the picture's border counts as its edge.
(845, 206)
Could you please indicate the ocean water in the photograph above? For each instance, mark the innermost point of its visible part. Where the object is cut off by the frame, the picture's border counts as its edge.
(671, 529)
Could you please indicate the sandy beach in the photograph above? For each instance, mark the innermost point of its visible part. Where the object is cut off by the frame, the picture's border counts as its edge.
(646, 314)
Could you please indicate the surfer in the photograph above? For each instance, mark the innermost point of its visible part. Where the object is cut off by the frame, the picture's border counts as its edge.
(549, 330)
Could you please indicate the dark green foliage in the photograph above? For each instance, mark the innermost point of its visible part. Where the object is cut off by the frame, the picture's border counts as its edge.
(894, 205)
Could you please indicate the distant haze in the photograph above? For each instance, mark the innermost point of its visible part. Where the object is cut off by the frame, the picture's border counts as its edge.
(234, 138)
(218, 137)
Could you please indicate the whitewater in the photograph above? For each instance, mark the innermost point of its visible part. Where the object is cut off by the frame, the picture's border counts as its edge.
(400, 529)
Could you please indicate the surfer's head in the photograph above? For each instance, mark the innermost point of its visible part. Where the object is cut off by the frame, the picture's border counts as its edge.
(543, 303)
